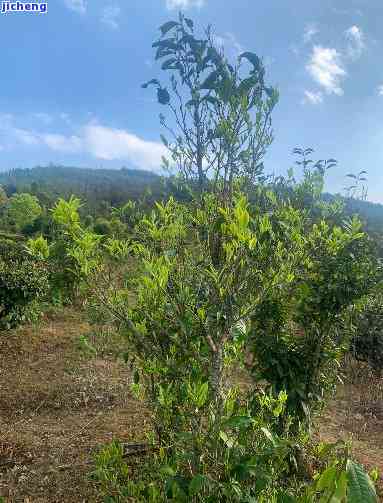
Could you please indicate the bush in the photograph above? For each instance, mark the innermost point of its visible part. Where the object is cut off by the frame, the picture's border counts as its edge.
(367, 343)
(22, 281)
(102, 226)
(23, 209)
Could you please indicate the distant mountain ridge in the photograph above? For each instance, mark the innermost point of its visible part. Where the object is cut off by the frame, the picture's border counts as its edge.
(46, 175)
(115, 186)
(92, 185)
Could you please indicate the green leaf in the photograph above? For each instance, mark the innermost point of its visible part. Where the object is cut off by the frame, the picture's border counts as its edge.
(161, 53)
(239, 422)
(167, 470)
(196, 484)
(168, 64)
(210, 81)
(202, 394)
(327, 478)
(268, 435)
(341, 489)
(229, 442)
(253, 58)
(167, 43)
(163, 96)
(243, 471)
(284, 497)
(191, 103)
(151, 82)
(211, 99)
(360, 487)
(189, 23)
(167, 27)
(246, 85)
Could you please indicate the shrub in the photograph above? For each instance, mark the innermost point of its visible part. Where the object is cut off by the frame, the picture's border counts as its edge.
(23, 280)
(367, 343)
(102, 226)
(23, 209)
(298, 334)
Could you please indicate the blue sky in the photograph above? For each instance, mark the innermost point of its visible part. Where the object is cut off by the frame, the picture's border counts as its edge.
(70, 86)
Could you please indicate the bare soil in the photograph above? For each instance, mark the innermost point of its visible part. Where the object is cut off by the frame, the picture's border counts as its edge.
(58, 405)
(56, 408)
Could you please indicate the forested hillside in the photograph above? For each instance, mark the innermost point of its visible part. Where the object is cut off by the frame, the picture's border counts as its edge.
(103, 188)
(98, 187)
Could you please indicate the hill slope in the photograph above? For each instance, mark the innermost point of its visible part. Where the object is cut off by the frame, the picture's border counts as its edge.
(92, 185)
(117, 186)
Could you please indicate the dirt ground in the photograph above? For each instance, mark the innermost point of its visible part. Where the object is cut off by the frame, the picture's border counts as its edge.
(56, 407)
(59, 402)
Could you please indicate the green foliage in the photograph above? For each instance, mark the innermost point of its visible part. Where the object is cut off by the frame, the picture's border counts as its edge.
(112, 228)
(298, 333)
(223, 112)
(218, 467)
(65, 214)
(22, 282)
(341, 269)
(100, 189)
(3, 197)
(23, 209)
(129, 214)
(367, 343)
(74, 255)
(103, 227)
(360, 486)
(341, 479)
(38, 247)
(208, 289)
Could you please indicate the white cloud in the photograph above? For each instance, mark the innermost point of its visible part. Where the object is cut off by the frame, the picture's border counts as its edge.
(110, 16)
(312, 97)
(325, 67)
(356, 42)
(310, 31)
(24, 136)
(380, 90)
(79, 6)
(117, 144)
(101, 142)
(184, 4)
(62, 143)
(12, 135)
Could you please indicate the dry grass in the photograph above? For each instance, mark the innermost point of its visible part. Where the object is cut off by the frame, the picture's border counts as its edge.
(58, 405)
(357, 415)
